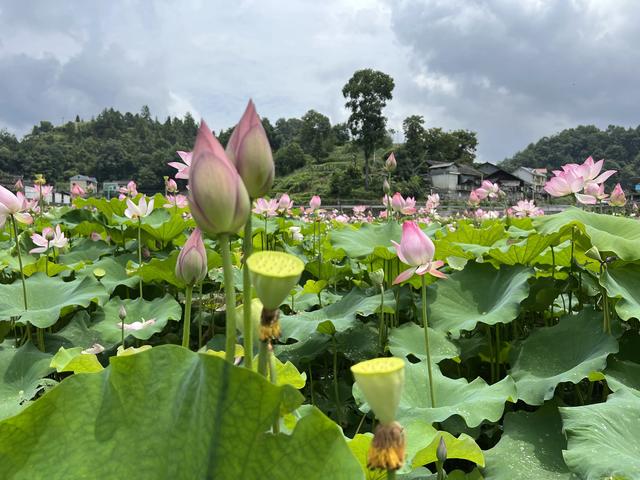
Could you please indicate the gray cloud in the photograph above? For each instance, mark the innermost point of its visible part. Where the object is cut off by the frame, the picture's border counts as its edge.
(512, 71)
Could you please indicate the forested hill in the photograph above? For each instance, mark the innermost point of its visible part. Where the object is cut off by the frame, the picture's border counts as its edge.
(112, 146)
(619, 146)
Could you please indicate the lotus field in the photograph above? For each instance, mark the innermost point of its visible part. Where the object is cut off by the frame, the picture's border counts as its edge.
(231, 334)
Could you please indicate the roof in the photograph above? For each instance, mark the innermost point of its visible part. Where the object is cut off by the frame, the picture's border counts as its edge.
(463, 168)
(85, 178)
(533, 171)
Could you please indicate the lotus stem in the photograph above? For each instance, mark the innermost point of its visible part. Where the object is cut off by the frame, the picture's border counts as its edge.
(140, 254)
(335, 379)
(24, 285)
(263, 357)
(381, 326)
(186, 328)
(425, 324)
(273, 374)
(247, 247)
(230, 297)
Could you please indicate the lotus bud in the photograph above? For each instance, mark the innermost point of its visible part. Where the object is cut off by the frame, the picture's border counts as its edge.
(618, 198)
(391, 164)
(377, 276)
(218, 199)
(381, 381)
(386, 187)
(441, 451)
(594, 254)
(249, 150)
(171, 185)
(315, 203)
(191, 266)
(19, 186)
(273, 275)
(122, 313)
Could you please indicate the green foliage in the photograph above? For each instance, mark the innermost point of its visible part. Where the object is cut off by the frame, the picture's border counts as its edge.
(316, 136)
(289, 158)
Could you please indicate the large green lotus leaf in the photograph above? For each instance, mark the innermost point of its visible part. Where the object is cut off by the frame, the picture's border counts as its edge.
(342, 314)
(170, 413)
(138, 310)
(85, 250)
(619, 235)
(623, 374)
(163, 225)
(163, 269)
(22, 372)
(362, 242)
(479, 293)
(109, 208)
(466, 238)
(624, 283)
(45, 266)
(523, 252)
(530, 448)
(566, 352)
(464, 448)
(408, 339)
(115, 273)
(474, 402)
(603, 439)
(73, 360)
(47, 297)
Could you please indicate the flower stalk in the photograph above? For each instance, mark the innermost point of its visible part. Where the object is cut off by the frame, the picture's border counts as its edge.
(247, 248)
(230, 297)
(425, 324)
(187, 316)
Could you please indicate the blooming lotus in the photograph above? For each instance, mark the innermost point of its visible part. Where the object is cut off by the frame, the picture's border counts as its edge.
(183, 168)
(416, 250)
(268, 208)
(359, 210)
(474, 199)
(143, 209)
(296, 235)
(176, 201)
(526, 208)
(50, 238)
(285, 203)
(592, 194)
(77, 190)
(406, 206)
(249, 150)
(191, 266)
(573, 178)
(44, 192)
(171, 186)
(433, 202)
(136, 326)
(218, 198)
(618, 198)
(13, 205)
(489, 190)
(131, 190)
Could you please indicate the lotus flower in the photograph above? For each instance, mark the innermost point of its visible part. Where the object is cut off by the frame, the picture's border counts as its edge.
(268, 208)
(49, 238)
(489, 190)
(416, 250)
(131, 190)
(618, 198)
(526, 208)
(19, 186)
(183, 168)
(315, 203)
(249, 150)
(191, 266)
(218, 198)
(176, 201)
(295, 234)
(405, 206)
(474, 199)
(136, 326)
(13, 205)
(433, 202)
(171, 186)
(573, 178)
(592, 194)
(285, 203)
(77, 190)
(390, 164)
(143, 209)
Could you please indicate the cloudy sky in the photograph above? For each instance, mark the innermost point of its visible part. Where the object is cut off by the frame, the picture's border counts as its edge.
(511, 70)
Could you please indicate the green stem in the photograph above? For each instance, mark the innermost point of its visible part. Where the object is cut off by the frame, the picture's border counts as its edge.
(263, 358)
(230, 297)
(491, 354)
(381, 329)
(186, 328)
(140, 254)
(274, 380)
(391, 475)
(24, 285)
(200, 316)
(265, 244)
(440, 469)
(425, 324)
(247, 246)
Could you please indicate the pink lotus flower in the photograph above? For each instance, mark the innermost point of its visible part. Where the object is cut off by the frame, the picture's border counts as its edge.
(285, 203)
(390, 164)
(95, 237)
(618, 198)
(526, 208)
(416, 250)
(405, 206)
(191, 266)
(573, 178)
(342, 218)
(76, 191)
(592, 194)
(19, 186)
(13, 205)
(131, 190)
(44, 192)
(218, 198)
(136, 326)
(315, 203)
(249, 150)
(433, 202)
(176, 201)
(268, 208)
(474, 199)
(143, 209)
(171, 186)
(50, 238)
(489, 190)
(183, 168)
(95, 349)
(359, 210)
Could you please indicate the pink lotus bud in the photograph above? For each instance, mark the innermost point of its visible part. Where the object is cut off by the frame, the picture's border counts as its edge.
(397, 202)
(249, 150)
(391, 164)
(416, 250)
(618, 198)
(171, 185)
(315, 202)
(77, 190)
(218, 198)
(385, 186)
(19, 185)
(285, 203)
(191, 266)
(474, 199)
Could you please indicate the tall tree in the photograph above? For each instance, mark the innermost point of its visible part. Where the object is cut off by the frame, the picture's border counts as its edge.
(367, 93)
(414, 140)
(315, 135)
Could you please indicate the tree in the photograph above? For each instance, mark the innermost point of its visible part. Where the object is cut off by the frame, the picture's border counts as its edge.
(340, 133)
(456, 146)
(289, 158)
(288, 130)
(315, 135)
(367, 93)
(414, 140)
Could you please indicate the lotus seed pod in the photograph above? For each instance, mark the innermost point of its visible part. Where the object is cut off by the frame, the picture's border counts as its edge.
(377, 276)
(381, 381)
(273, 275)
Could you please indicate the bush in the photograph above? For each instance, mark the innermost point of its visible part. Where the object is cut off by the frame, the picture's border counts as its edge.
(289, 158)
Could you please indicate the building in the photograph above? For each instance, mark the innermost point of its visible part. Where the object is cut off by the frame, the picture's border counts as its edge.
(88, 184)
(111, 188)
(508, 182)
(454, 177)
(535, 178)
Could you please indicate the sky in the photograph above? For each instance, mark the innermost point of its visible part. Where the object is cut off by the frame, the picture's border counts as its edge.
(513, 71)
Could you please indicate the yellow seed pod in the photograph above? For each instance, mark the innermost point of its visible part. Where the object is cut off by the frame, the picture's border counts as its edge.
(381, 381)
(273, 275)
